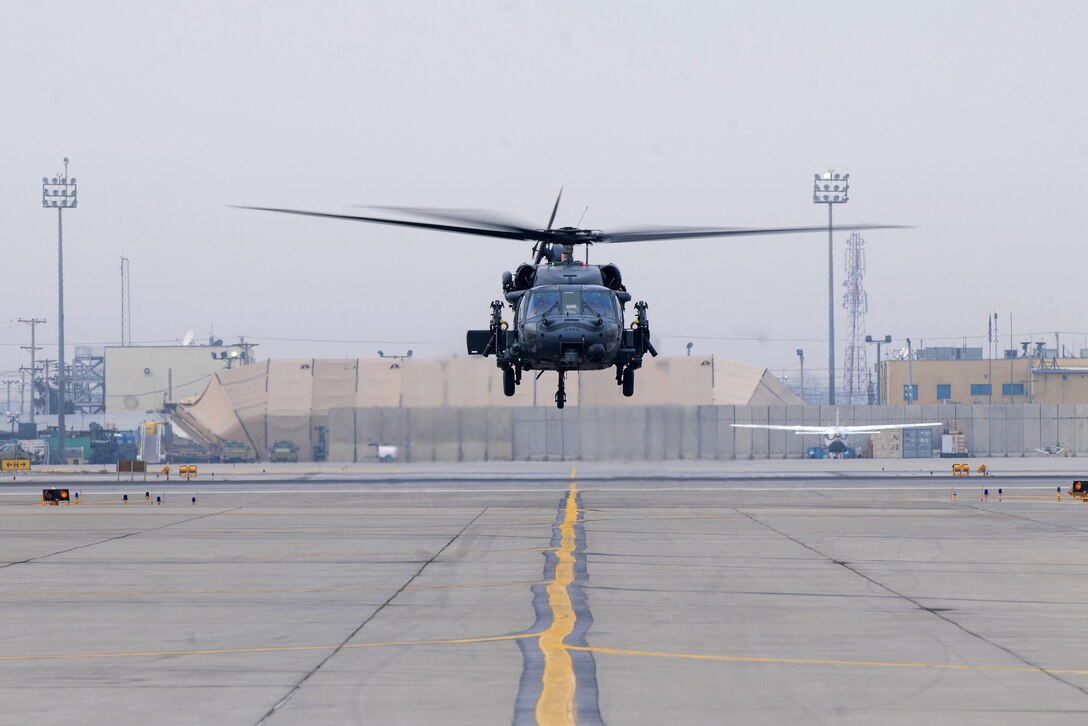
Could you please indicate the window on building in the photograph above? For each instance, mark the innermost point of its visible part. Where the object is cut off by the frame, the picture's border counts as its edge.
(944, 391)
(910, 393)
(1012, 389)
(981, 389)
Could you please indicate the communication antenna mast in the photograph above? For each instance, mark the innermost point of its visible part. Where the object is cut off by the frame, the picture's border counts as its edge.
(126, 305)
(856, 303)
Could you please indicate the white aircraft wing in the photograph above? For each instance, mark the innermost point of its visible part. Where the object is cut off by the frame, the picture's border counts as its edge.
(861, 429)
(796, 429)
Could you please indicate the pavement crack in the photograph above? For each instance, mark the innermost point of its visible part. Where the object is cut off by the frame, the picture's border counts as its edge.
(1022, 518)
(936, 612)
(295, 689)
(115, 538)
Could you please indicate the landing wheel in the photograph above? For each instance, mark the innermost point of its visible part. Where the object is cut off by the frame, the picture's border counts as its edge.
(561, 394)
(629, 382)
(509, 383)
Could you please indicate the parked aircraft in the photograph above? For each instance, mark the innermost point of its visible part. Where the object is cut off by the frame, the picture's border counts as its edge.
(835, 436)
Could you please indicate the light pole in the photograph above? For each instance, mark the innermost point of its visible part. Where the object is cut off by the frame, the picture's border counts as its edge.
(801, 355)
(690, 345)
(59, 193)
(910, 373)
(878, 341)
(831, 189)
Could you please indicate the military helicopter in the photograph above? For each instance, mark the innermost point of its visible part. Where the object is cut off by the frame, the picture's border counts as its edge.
(568, 315)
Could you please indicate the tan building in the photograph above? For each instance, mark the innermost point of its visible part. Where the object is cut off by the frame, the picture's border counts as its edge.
(291, 400)
(140, 378)
(1016, 380)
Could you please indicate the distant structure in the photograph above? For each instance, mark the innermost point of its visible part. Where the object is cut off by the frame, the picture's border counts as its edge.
(856, 302)
(126, 305)
(87, 381)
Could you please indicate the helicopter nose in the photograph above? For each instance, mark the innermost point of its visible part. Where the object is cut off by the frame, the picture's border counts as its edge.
(595, 353)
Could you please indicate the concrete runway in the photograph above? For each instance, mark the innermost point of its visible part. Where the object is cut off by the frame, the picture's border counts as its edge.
(840, 601)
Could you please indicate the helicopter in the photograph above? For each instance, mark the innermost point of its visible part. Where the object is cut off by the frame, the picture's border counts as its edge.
(568, 315)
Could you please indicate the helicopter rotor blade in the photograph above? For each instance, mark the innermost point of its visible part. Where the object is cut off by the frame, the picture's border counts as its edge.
(664, 233)
(551, 219)
(515, 233)
(469, 216)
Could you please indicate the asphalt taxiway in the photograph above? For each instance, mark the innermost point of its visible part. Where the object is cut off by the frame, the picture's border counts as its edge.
(531, 595)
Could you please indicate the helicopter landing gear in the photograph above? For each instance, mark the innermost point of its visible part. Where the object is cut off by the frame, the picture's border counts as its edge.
(561, 394)
(509, 381)
(628, 382)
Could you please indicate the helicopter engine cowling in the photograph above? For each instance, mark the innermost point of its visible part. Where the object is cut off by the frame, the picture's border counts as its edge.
(611, 277)
(524, 277)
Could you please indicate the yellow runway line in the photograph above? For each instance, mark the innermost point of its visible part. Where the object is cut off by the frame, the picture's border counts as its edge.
(260, 591)
(824, 662)
(556, 702)
(270, 649)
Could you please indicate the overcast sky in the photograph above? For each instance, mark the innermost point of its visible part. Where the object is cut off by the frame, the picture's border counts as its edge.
(966, 120)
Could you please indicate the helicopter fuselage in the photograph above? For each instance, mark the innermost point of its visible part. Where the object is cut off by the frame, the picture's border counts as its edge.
(567, 327)
(567, 316)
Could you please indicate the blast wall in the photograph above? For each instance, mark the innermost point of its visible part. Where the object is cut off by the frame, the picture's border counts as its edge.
(658, 433)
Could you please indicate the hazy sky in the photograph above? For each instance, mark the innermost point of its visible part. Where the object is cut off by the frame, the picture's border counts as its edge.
(967, 120)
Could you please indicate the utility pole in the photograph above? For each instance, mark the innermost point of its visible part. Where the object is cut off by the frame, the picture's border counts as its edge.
(878, 341)
(33, 348)
(9, 382)
(801, 357)
(126, 304)
(60, 193)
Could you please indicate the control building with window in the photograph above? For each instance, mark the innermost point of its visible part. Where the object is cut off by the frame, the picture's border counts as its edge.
(1000, 380)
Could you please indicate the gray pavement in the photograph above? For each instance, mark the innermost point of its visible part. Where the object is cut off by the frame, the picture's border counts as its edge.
(858, 599)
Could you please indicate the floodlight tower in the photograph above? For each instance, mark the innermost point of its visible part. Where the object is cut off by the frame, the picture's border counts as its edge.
(831, 188)
(856, 302)
(59, 193)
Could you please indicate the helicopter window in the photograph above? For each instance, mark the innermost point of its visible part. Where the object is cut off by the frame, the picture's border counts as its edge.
(572, 303)
(542, 302)
(599, 303)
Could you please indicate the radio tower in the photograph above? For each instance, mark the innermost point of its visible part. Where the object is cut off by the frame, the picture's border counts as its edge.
(856, 302)
(126, 305)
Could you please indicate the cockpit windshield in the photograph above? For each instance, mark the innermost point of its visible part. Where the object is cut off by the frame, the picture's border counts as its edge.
(542, 302)
(571, 302)
(599, 303)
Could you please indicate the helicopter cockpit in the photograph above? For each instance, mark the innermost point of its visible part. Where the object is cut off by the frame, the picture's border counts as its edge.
(569, 327)
(563, 301)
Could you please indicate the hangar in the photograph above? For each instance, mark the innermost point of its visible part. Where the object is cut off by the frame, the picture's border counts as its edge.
(318, 404)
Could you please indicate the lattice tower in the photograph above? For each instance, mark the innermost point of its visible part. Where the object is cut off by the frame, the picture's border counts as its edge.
(856, 302)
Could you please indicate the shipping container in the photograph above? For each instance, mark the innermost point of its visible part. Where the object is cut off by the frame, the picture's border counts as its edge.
(917, 443)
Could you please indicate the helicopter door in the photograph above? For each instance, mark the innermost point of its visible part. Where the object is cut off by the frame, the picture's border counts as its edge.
(477, 341)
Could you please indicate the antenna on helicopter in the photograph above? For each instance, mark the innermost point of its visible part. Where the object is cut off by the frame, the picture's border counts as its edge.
(580, 224)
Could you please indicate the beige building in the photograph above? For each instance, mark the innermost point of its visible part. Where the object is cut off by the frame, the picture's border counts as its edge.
(1016, 380)
(141, 378)
(291, 400)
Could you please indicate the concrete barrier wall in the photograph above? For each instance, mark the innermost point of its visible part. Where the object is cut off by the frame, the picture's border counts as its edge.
(659, 433)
